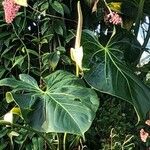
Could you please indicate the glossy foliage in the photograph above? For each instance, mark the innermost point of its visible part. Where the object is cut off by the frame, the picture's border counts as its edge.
(66, 105)
(108, 73)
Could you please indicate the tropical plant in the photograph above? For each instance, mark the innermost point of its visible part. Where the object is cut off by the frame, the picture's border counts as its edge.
(44, 43)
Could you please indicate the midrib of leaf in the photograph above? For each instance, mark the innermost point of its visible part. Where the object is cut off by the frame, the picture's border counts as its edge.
(65, 110)
(109, 55)
(105, 66)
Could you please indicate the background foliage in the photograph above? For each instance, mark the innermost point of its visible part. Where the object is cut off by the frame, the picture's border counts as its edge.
(54, 109)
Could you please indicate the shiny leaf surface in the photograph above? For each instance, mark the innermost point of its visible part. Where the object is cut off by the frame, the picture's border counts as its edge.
(107, 72)
(65, 106)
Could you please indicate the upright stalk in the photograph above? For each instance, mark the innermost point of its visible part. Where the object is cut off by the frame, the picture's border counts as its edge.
(64, 141)
(79, 32)
(39, 49)
(39, 55)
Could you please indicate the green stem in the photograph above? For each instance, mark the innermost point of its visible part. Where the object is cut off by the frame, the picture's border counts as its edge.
(2, 122)
(113, 34)
(64, 141)
(111, 139)
(126, 141)
(58, 147)
(39, 52)
(77, 70)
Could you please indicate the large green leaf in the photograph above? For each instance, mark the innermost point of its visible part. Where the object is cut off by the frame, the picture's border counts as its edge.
(107, 73)
(65, 106)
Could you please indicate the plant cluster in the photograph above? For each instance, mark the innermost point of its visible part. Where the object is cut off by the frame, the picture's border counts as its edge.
(66, 68)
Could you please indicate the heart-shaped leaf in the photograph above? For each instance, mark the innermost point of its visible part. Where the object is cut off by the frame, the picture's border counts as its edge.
(107, 73)
(65, 106)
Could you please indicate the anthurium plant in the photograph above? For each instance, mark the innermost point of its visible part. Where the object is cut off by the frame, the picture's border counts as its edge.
(57, 59)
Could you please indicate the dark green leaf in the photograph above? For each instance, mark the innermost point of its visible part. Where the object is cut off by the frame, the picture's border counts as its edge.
(51, 59)
(61, 49)
(18, 60)
(58, 7)
(66, 60)
(70, 36)
(44, 6)
(3, 132)
(107, 73)
(2, 71)
(58, 27)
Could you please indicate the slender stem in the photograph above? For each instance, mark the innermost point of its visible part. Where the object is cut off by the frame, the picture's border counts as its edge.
(58, 147)
(39, 52)
(64, 141)
(59, 42)
(79, 26)
(126, 141)
(77, 70)
(113, 34)
(79, 32)
(39, 48)
(107, 6)
(111, 139)
(28, 129)
(24, 47)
